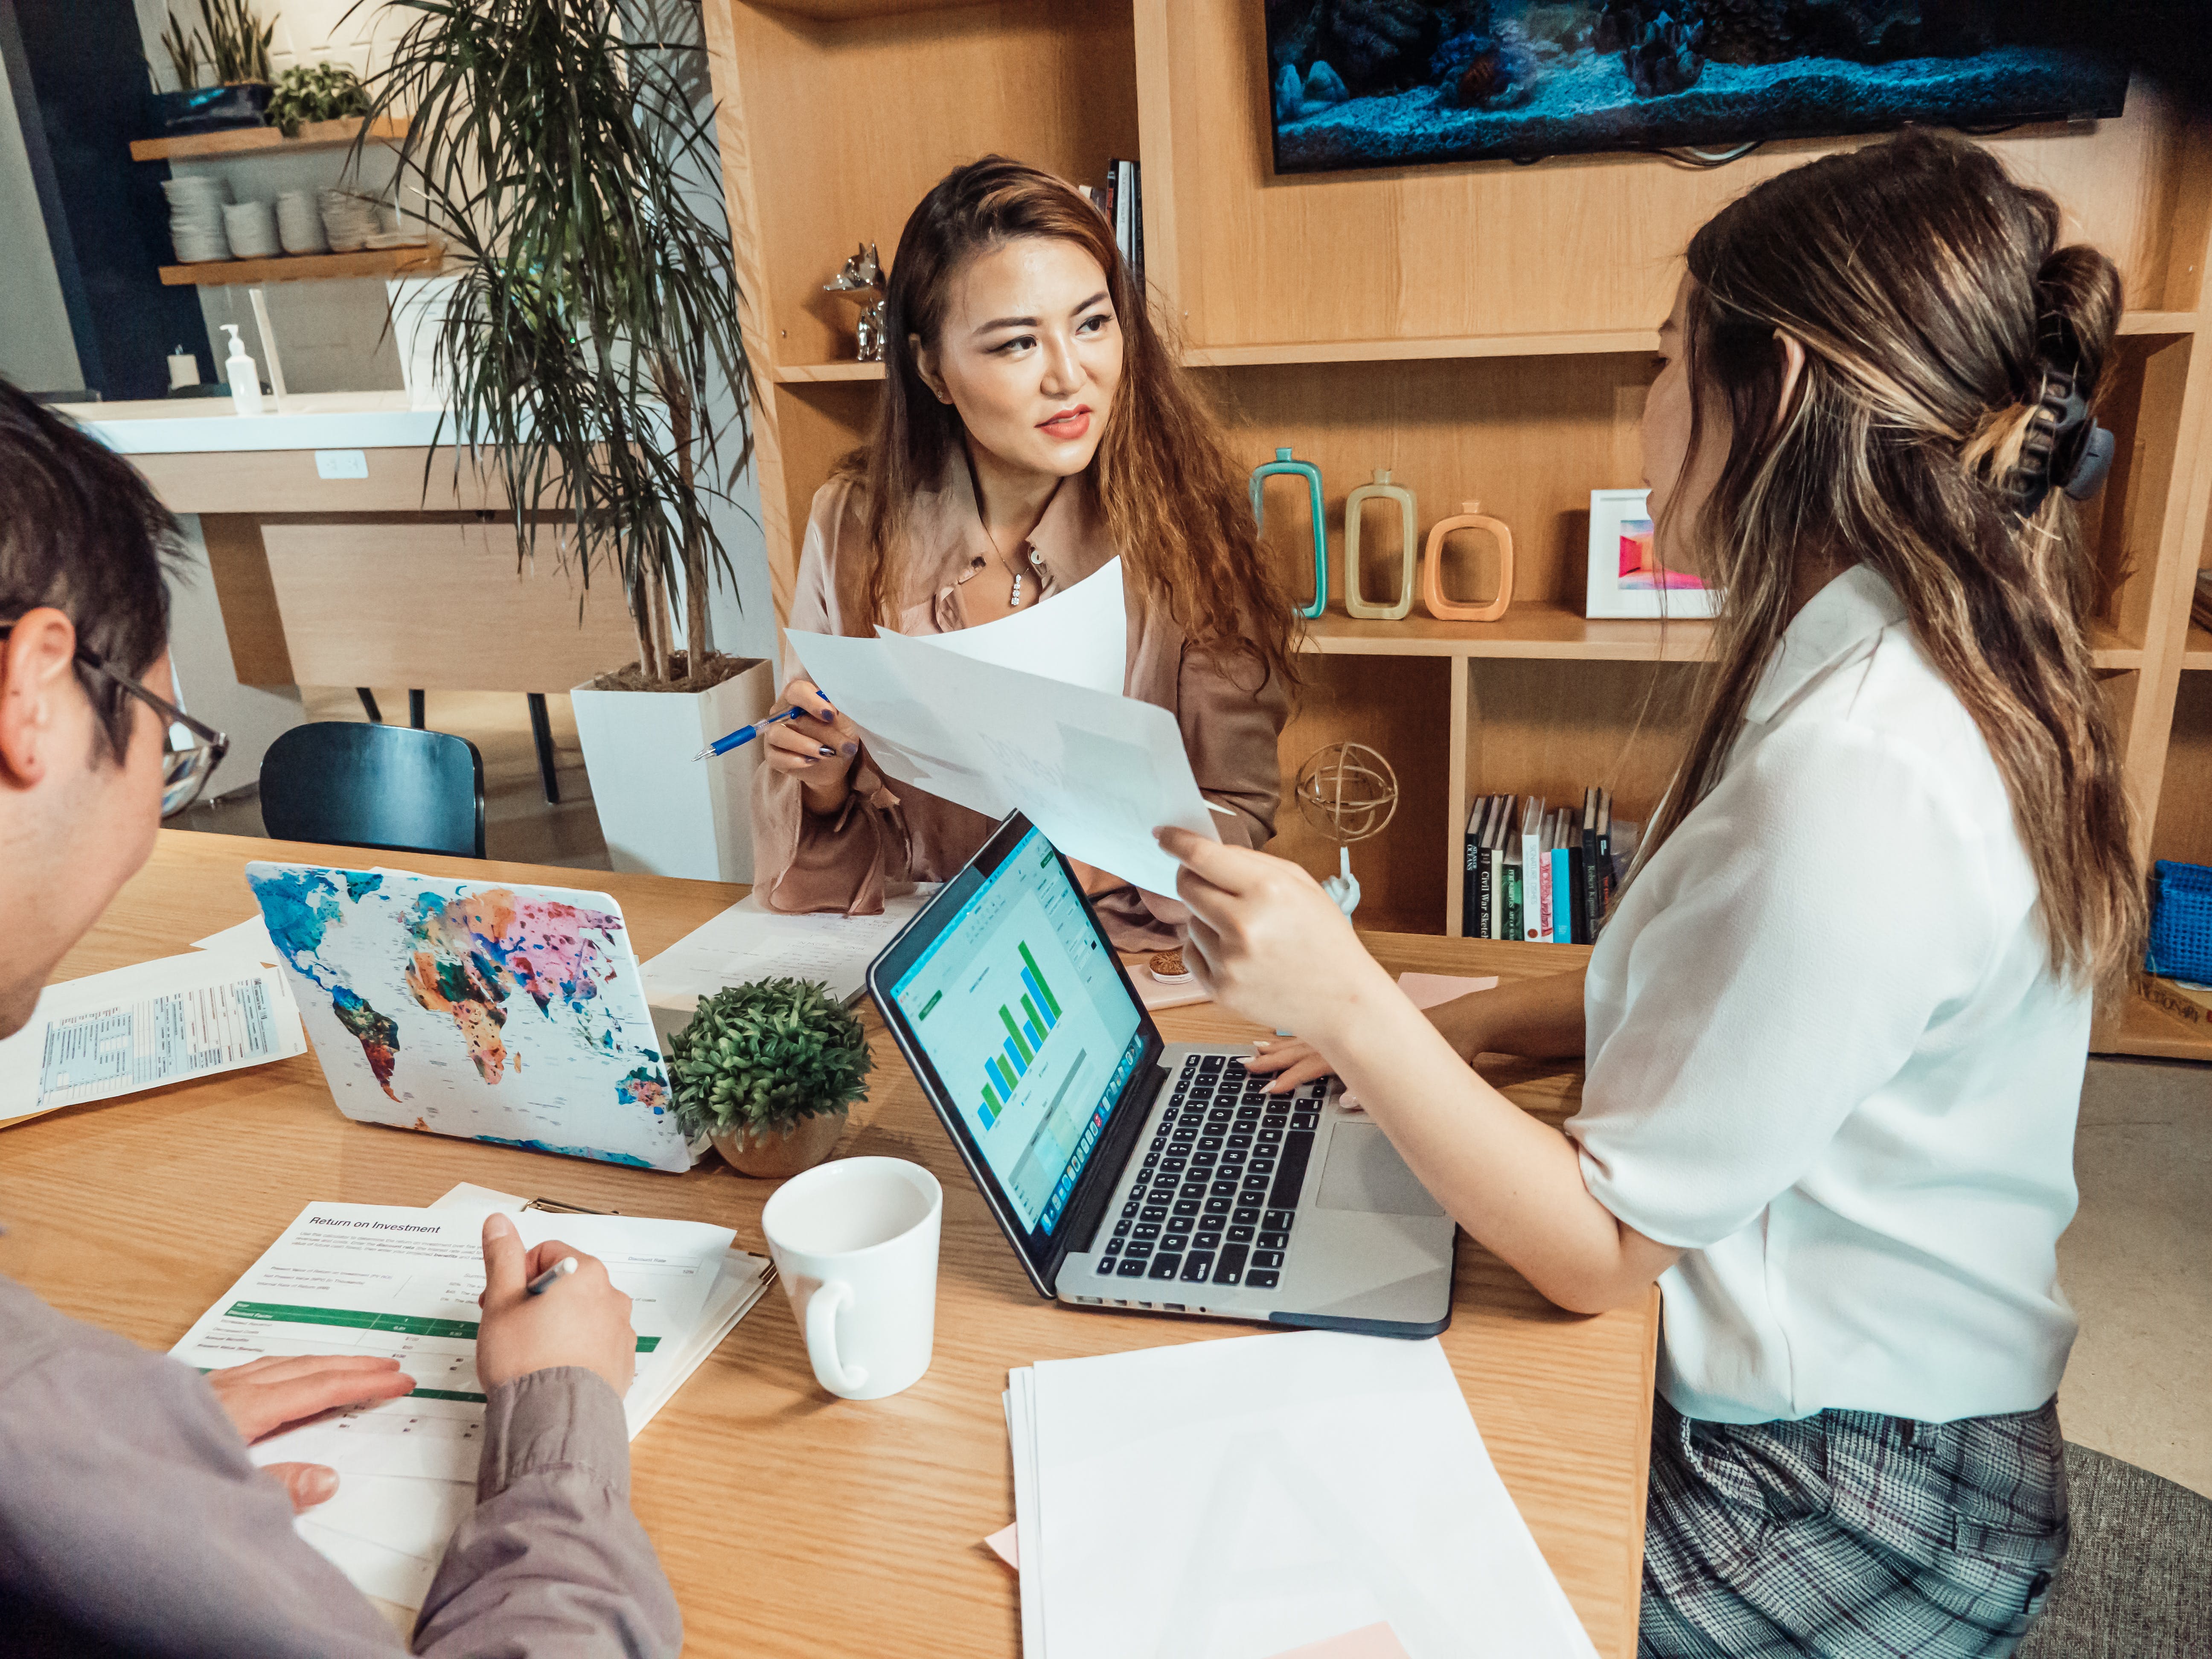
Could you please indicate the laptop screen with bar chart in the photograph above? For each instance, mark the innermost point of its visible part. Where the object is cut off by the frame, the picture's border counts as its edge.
(1022, 1013)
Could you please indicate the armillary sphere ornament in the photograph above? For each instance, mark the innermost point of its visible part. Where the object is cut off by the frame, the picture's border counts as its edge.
(1348, 792)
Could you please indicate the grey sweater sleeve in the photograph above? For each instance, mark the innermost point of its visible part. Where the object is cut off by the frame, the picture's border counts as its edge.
(551, 1563)
(131, 1522)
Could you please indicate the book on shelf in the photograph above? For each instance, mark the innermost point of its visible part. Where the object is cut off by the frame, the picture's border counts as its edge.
(1541, 874)
(2200, 600)
(1120, 198)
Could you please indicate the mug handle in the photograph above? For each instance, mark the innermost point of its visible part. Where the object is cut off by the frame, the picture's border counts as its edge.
(829, 1371)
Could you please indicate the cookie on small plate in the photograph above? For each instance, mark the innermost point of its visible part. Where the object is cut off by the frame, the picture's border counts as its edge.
(1169, 967)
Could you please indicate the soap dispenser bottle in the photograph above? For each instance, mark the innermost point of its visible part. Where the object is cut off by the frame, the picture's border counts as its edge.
(244, 380)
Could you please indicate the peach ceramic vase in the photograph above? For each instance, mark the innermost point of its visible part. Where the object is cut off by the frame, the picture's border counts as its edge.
(1470, 516)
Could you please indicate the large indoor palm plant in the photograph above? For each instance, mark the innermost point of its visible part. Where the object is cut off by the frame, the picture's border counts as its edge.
(585, 344)
(563, 159)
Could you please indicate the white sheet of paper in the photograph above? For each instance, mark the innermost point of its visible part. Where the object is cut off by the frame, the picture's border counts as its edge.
(749, 941)
(139, 1027)
(1096, 772)
(249, 937)
(1080, 636)
(1232, 1499)
(389, 1281)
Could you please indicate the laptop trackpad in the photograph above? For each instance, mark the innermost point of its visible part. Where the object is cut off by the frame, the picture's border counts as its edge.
(1364, 1172)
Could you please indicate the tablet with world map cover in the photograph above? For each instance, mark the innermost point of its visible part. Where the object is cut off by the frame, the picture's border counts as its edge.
(500, 1013)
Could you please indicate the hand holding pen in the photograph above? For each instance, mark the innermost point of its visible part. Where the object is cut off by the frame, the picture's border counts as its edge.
(583, 1322)
(819, 749)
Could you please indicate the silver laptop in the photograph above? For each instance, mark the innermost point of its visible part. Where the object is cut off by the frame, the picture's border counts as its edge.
(1128, 1171)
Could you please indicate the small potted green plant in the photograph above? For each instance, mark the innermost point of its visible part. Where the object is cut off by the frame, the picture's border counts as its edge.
(770, 1070)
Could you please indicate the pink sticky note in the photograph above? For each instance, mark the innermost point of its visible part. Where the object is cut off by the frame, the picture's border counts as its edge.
(1427, 990)
(1377, 1641)
(1001, 1544)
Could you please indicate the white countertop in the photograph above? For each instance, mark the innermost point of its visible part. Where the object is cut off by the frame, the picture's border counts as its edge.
(310, 420)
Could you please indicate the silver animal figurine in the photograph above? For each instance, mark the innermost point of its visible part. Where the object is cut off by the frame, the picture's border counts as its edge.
(863, 275)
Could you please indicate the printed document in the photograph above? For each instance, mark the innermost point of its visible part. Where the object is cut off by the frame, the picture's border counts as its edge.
(1095, 771)
(140, 1027)
(390, 1281)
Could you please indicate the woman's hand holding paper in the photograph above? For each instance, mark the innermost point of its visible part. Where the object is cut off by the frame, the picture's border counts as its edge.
(1266, 943)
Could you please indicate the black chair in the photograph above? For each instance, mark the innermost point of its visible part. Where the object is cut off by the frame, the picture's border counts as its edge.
(541, 732)
(2136, 1582)
(385, 787)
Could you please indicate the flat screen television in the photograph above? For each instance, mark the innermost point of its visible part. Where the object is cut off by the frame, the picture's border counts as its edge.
(1387, 83)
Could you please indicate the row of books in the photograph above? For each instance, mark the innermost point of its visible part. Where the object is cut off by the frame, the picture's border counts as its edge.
(1122, 200)
(1542, 874)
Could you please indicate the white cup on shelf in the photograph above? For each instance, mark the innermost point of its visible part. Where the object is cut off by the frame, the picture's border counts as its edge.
(855, 1244)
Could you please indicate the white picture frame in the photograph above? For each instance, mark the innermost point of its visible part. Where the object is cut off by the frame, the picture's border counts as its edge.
(1618, 518)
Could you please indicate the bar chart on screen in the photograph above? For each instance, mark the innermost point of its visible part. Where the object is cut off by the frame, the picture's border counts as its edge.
(1039, 1014)
(1023, 1015)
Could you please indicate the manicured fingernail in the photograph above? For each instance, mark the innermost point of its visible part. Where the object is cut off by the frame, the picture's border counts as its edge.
(497, 1226)
(849, 747)
(319, 1483)
(827, 713)
(827, 750)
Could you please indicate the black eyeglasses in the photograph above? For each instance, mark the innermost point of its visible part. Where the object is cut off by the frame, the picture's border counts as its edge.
(192, 749)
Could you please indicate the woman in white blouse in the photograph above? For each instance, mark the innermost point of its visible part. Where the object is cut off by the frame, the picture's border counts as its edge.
(1835, 1028)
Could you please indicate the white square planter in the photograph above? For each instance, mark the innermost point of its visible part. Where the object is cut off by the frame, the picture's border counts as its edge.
(662, 811)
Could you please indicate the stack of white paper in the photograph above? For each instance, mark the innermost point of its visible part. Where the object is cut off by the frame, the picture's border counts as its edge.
(384, 1279)
(142, 1026)
(1248, 1497)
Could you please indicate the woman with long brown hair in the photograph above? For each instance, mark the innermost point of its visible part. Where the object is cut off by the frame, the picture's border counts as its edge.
(1034, 426)
(1836, 1026)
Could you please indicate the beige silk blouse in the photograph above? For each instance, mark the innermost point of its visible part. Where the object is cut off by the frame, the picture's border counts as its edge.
(884, 838)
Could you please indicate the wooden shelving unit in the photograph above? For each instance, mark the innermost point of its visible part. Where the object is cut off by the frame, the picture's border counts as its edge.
(263, 141)
(305, 267)
(1483, 330)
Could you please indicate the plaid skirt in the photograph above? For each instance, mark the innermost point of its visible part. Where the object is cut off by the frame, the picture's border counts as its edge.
(1850, 1535)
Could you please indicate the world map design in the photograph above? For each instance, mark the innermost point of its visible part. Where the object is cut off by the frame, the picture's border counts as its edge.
(475, 1009)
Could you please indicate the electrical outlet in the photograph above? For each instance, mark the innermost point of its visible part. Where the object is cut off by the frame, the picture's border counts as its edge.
(341, 463)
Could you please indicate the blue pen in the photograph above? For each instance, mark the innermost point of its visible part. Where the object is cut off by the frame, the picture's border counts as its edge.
(745, 734)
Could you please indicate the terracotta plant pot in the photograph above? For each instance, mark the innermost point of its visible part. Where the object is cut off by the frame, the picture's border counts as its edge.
(774, 1154)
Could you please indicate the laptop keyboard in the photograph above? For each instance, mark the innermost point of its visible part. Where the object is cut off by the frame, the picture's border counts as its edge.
(1217, 1191)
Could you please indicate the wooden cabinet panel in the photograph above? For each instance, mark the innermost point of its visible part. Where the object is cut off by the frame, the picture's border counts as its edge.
(440, 606)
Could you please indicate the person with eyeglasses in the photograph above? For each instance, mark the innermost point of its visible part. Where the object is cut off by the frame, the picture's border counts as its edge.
(132, 1521)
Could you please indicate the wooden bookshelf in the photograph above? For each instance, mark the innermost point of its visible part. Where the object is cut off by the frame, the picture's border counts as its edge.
(1484, 331)
(305, 267)
(234, 141)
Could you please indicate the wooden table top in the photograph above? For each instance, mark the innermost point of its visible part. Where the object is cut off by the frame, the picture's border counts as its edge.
(790, 1523)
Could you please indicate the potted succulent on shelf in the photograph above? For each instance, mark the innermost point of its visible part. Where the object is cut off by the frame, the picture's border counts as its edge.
(770, 1070)
(584, 339)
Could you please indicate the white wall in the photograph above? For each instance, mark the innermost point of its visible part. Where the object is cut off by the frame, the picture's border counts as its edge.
(37, 351)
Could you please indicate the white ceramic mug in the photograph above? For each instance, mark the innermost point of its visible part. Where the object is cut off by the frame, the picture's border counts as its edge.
(855, 1244)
